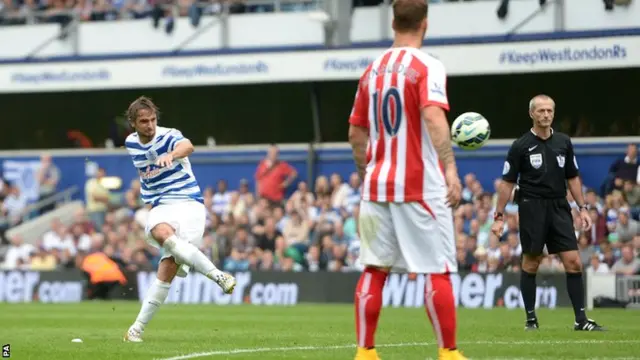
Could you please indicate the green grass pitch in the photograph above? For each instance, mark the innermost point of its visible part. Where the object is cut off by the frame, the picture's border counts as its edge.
(44, 331)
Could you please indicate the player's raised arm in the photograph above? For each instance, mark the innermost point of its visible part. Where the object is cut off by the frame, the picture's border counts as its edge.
(179, 145)
(359, 130)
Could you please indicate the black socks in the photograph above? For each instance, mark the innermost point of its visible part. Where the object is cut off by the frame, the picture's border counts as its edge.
(528, 289)
(575, 287)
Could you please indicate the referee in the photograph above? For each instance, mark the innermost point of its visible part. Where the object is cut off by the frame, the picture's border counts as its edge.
(545, 162)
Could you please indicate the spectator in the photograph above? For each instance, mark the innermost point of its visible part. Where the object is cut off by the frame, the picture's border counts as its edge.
(353, 195)
(302, 194)
(627, 264)
(273, 177)
(631, 192)
(48, 177)
(41, 260)
(481, 264)
(591, 198)
(596, 266)
(339, 192)
(235, 207)
(18, 254)
(266, 242)
(14, 206)
(623, 169)
(626, 228)
(103, 273)
(245, 195)
(322, 188)
(242, 248)
(296, 231)
(585, 249)
(133, 200)
(97, 198)
(221, 198)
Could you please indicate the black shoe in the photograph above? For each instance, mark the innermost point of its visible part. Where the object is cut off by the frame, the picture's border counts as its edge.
(531, 324)
(587, 325)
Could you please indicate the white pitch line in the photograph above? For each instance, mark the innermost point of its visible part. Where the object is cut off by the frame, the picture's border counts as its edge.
(414, 344)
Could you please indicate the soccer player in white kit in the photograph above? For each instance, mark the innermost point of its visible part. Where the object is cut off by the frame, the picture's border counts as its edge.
(177, 217)
(402, 148)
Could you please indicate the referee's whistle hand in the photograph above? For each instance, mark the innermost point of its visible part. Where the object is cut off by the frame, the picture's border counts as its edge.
(498, 228)
(586, 221)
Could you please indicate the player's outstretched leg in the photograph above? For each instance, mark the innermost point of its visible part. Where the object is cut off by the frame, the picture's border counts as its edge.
(368, 303)
(441, 308)
(575, 288)
(187, 253)
(156, 296)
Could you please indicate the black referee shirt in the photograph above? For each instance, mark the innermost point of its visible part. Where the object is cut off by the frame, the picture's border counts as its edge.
(543, 165)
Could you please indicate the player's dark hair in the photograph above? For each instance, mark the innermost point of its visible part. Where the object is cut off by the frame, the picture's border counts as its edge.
(409, 14)
(141, 103)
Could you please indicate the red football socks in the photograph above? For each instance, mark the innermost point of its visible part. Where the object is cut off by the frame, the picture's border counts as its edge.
(441, 308)
(368, 302)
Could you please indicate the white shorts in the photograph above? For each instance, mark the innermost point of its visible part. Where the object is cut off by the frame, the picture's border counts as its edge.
(186, 218)
(413, 237)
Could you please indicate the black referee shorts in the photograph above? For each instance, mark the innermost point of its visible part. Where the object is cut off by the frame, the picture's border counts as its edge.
(546, 222)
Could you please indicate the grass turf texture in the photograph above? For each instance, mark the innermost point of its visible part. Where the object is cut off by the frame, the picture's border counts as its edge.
(44, 331)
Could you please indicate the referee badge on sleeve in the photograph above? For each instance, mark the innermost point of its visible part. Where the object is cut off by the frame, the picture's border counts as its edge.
(560, 159)
(506, 168)
(575, 162)
(536, 160)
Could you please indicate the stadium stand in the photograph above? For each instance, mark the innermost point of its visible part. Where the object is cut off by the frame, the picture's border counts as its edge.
(314, 228)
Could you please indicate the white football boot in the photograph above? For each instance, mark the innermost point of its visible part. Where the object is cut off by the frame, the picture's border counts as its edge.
(133, 335)
(225, 281)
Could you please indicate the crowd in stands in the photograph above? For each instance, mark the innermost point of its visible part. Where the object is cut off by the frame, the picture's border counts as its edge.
(13, 12)
(314, 229)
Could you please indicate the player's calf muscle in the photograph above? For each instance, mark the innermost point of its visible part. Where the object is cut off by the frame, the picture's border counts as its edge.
(167, 270)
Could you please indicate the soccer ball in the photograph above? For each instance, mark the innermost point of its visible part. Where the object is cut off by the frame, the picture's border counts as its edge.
(470, 131)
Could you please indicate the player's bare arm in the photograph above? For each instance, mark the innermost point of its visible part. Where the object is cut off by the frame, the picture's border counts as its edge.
(438, 127)
(183, 149)
(358, 137)
(575, 187)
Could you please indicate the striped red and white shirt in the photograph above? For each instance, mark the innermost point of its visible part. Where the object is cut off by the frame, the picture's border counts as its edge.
(402, 164)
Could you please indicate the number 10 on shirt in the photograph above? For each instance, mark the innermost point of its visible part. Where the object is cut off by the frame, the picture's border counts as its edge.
(391, 115)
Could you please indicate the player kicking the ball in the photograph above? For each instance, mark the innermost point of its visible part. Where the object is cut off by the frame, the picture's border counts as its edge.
(402, 148)
(177, 217)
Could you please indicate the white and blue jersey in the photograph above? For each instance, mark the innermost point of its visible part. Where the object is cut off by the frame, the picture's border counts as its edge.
(163, 185)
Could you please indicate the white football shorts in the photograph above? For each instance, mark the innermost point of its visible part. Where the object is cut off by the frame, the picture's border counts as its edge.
(416, 237)
(186, 218)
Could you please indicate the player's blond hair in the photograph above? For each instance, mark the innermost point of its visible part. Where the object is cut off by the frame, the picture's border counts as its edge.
(409, 14)
(141, 103)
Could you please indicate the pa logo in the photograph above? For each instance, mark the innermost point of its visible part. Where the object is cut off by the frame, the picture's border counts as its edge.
(6, 351)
